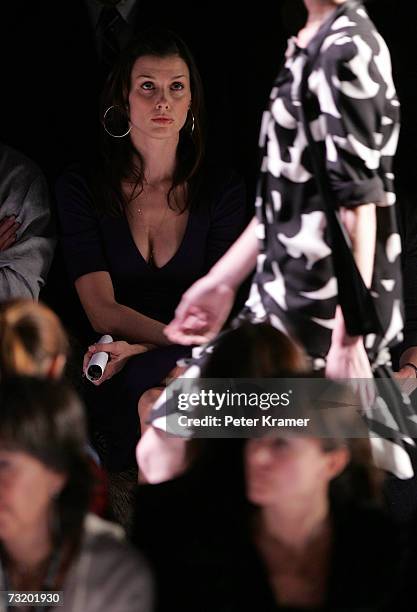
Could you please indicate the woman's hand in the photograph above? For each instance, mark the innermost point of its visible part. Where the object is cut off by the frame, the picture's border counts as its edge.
(347, 359)
(8, 229)
(119, 352)
(201, 313)
(350, 361)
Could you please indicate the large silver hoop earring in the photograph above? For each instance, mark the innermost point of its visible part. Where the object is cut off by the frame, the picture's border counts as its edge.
(107, 129)
(192, 122)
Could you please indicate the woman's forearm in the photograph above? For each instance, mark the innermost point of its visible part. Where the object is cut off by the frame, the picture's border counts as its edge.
(360, 223)
(124, 322)
(107, 316)
(240, 259)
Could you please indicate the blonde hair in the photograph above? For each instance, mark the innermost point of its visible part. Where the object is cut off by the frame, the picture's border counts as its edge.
(30, 335)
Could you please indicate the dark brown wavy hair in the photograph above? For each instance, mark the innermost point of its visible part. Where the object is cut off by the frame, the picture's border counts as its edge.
(119, 159)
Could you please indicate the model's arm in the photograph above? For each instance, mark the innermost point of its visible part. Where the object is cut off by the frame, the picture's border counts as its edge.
(361, 136)
(205, 307)
(347, 357)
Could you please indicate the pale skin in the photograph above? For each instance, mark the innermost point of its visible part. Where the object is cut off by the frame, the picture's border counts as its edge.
(288, 480)
(158, 104)
(25, 527)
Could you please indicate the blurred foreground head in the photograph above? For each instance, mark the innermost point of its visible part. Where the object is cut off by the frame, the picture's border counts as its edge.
(44, 476)
(32, 340)
(255, 351)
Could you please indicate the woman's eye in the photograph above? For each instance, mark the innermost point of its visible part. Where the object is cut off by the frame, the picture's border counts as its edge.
(147, 86)
(177, 86)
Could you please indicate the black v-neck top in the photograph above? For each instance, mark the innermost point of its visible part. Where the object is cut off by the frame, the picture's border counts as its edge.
(94, 241)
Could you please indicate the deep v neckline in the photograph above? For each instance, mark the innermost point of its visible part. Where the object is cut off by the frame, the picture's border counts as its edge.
(152, 266)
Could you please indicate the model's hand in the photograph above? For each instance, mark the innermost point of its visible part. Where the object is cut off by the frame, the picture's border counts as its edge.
(119, 352)
(350, 361)
(201, 313)
(8, 229)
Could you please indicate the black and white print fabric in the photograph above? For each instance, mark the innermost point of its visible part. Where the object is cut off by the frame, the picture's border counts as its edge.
(353, 111)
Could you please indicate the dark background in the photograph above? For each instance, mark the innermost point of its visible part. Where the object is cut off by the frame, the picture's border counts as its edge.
(49, 88)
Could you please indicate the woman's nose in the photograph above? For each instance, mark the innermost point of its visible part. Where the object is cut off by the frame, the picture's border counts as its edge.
(162, 103)
(261, 455)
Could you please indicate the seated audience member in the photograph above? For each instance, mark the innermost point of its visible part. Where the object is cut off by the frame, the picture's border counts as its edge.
(143, 226)
(34, 343)
(275, 522)
(26, 233)
(48, 541)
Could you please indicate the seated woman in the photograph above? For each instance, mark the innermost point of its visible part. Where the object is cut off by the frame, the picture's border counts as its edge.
(281, 521)
(48, 541)
(150, 220)
(33, 342)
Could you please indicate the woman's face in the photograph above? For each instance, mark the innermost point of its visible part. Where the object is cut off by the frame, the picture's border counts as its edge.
(159, 97)
(281, 471)
(27, 488)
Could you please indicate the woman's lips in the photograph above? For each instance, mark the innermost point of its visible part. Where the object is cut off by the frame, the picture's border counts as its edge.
(162, 120)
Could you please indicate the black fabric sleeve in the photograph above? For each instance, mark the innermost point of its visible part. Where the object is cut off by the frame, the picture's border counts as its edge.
(358, 100)
(409, 237)
(79, 227)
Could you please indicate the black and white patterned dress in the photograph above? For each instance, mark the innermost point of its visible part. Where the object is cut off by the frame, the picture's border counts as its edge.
(353, 113)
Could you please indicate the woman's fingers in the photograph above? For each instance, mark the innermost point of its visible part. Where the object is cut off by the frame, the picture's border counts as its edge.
(182, 310)
(87, 357)
(8, 243)
(195, 322)
(187, 339)
(107, 347)
(6, 223)
(8, 236)
(96, 348)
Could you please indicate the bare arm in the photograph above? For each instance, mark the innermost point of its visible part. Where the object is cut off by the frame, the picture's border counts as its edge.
(360, 223)
(238, 262)
(205, 306)
(107, 316)
(347, 357)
